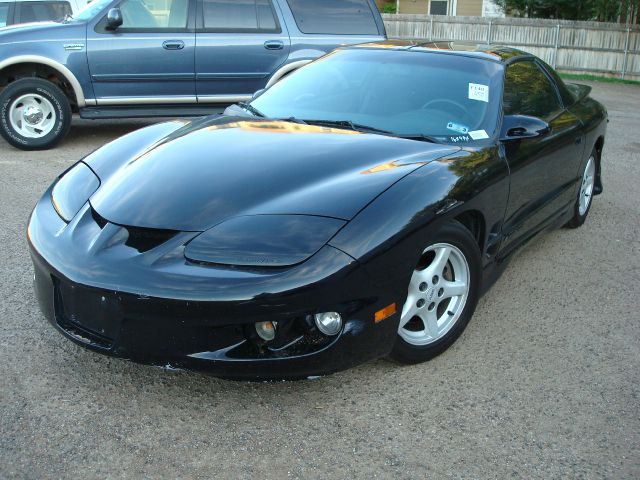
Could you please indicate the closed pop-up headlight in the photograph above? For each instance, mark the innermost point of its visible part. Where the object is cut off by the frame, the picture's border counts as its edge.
(73, 190)
(263, 240)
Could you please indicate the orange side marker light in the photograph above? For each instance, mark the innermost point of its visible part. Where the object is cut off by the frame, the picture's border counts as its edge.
(386, 312)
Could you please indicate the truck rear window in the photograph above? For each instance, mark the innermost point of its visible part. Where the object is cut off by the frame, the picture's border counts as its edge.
(337, 17)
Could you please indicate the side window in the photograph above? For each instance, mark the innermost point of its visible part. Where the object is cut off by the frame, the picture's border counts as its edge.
(169, 15)
(239, 16)
(438, 7)
(42, 11)
(528, 91)
(338, 17)
(4, 13)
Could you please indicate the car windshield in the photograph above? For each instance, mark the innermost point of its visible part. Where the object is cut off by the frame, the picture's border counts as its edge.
(450, 98)
(90, 10)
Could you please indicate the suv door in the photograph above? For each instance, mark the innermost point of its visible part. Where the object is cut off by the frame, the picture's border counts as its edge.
(240, 43)
(149, 59)
(543, 170)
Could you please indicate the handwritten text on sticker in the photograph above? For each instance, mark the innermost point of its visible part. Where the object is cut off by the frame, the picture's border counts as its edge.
(479, 92)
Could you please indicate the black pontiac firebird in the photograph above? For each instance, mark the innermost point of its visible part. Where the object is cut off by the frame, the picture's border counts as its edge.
(356, 209)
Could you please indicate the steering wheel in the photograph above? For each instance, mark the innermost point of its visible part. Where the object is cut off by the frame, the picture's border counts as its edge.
(447, 101)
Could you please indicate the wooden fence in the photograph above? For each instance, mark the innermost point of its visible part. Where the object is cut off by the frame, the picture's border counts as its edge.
(608, 49)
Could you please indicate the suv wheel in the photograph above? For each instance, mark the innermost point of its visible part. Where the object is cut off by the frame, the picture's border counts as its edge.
(34, 114)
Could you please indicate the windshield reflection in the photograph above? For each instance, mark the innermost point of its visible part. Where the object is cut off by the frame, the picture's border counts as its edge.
(415, 94)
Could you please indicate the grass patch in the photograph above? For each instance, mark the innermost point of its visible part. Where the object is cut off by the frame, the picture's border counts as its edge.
(596, 78)
(389, 7)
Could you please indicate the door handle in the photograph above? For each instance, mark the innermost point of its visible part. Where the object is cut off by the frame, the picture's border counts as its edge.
(579, 140)
(173, 44)
(274, 45)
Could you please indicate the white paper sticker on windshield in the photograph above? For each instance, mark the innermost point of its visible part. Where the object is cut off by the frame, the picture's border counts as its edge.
(478, 135)
(479, 92)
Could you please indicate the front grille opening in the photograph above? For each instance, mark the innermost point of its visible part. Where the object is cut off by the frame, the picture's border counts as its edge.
(144, 239)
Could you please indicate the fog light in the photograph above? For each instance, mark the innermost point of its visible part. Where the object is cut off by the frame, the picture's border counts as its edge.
(266, 330)
(328, 323)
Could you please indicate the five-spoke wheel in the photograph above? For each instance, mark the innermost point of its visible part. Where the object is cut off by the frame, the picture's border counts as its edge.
(441, 295)
(437, 295)
(586, 191)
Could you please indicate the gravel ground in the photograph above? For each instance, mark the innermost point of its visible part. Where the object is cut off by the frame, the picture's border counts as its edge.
(544, 383)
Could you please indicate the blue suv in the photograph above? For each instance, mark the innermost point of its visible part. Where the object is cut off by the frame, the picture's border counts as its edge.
(142, 58)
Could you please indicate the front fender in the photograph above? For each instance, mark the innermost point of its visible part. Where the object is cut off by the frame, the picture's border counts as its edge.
(59, 46)
(388, 236)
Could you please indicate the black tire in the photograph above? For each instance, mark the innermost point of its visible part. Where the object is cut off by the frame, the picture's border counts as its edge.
(457, 235)
(578, 218)
(44, 89)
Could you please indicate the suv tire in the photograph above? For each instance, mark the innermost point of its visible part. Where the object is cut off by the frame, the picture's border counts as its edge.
(34, 114)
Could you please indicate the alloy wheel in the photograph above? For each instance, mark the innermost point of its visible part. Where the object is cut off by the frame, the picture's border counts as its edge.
(438, 292)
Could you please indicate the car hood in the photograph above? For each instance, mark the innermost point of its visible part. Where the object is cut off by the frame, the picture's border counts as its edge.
(194, 176)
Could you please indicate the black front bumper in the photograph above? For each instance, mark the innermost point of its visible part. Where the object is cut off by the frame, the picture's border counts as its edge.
(166, 311)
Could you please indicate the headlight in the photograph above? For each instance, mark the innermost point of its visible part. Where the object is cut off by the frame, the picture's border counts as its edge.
(73, 190)
(263, 240)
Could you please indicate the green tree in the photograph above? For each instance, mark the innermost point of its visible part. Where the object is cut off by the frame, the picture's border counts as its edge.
(601, 10)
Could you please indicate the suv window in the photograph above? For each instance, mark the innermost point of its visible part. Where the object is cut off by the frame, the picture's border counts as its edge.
(528, 91)
(42, 11)
(4, 13)
(239, 16)
(339, 17)
(154, 14)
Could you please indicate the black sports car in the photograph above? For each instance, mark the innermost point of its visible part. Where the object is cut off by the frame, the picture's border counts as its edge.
(356, 209)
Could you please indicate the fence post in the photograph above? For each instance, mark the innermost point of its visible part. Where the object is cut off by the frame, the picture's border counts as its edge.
(626, 52)
(431, 30)
(489, 32)
(555, 50)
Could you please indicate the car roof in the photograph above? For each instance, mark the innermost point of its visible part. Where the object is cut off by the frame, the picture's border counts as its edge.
(497, 53)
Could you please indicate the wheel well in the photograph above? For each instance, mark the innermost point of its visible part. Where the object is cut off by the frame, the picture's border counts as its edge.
(474, 222)
(36, 70)
(599, 146)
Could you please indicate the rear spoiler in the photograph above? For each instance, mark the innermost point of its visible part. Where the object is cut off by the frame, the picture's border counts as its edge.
(578, 90)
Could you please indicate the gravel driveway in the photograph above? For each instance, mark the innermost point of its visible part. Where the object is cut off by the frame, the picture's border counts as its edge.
(544, 383)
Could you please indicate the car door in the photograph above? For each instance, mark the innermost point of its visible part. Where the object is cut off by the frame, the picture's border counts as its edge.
(149, 59)
(240, 43)
(543, 169)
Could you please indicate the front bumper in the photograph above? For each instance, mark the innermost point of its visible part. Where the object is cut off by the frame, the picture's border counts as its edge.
(157, 308)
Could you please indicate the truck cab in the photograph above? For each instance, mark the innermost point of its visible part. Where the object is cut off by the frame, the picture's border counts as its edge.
(139, 58)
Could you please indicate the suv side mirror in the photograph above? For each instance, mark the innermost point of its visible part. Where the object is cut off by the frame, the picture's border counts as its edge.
(114, 19)
(518, 127)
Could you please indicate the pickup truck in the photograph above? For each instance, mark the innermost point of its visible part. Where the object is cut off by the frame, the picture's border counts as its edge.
(148, 58)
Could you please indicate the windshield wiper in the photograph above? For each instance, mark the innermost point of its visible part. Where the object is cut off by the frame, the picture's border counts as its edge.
(292, 120)
(350, 125)
(251, 109)
(419, 136)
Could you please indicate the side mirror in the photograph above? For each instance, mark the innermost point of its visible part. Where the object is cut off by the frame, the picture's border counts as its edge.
(257, 94)
(114, 19)
(518, 127)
